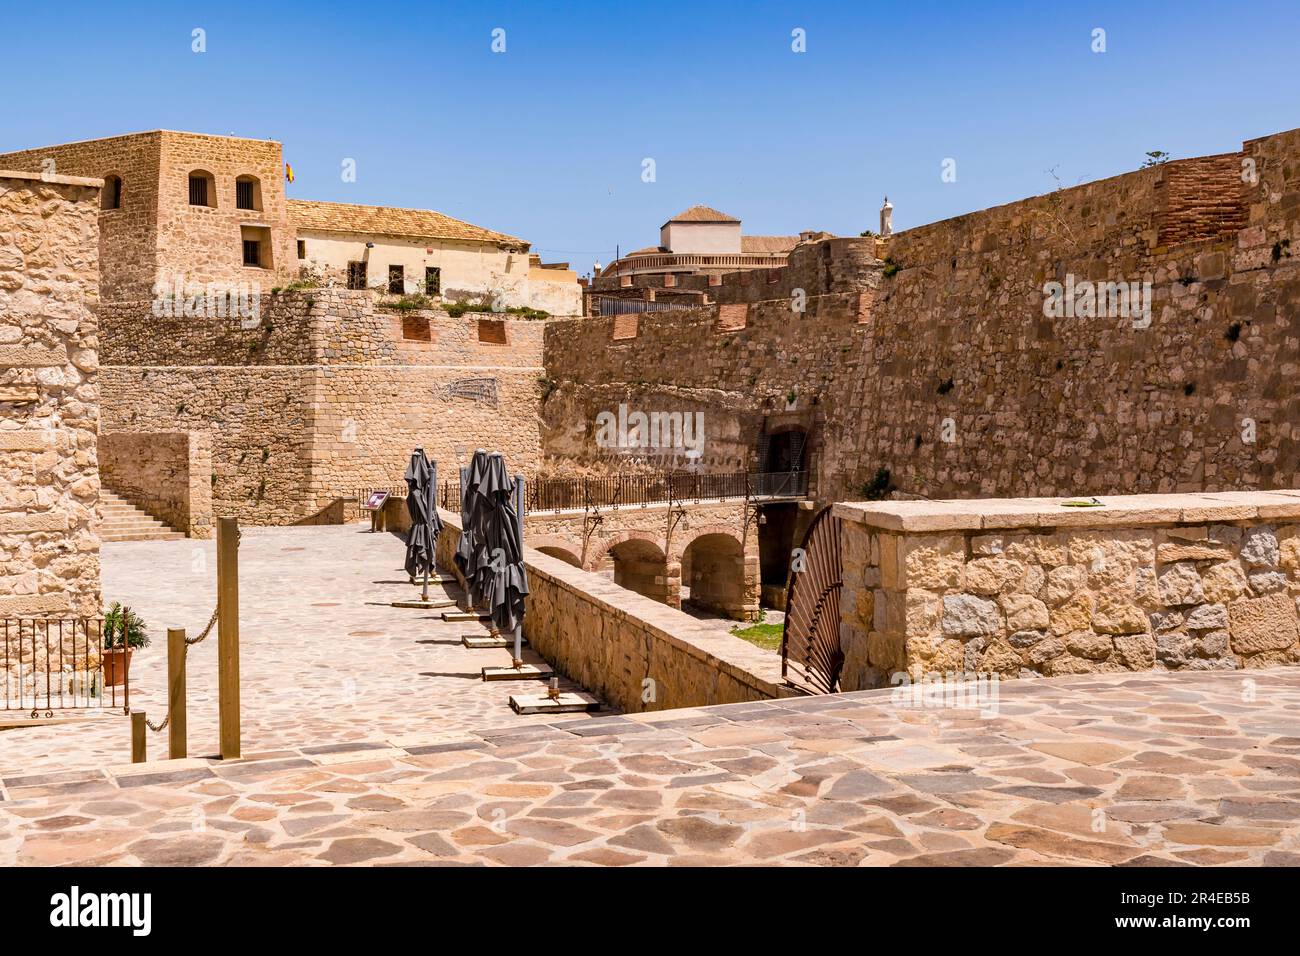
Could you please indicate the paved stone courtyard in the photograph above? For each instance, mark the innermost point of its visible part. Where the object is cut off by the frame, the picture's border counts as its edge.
(323, 657)
(1122, 769)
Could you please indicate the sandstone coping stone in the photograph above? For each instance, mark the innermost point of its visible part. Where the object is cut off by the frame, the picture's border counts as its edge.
(52, 178)
(1127, 511)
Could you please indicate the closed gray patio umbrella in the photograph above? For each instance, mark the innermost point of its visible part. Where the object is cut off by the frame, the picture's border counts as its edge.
(501, 581)
(422, 506)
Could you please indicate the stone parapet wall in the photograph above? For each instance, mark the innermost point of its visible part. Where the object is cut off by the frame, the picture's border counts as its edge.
(1028, 587)
(167, 474)
(633, 652)
(49, 411)
(324, 395)
(326, 326)
(365, 420)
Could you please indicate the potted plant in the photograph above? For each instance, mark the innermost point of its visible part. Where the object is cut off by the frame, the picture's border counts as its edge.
(124, 631)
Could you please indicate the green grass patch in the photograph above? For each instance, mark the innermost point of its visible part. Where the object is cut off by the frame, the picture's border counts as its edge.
(766, 636)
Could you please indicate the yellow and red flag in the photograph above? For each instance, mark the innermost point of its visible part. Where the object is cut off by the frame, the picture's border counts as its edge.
(288, 172)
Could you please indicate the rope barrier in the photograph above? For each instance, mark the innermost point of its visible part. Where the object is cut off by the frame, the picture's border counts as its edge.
(190, 642)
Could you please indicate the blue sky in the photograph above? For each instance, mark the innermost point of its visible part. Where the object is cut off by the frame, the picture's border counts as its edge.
(546, 140)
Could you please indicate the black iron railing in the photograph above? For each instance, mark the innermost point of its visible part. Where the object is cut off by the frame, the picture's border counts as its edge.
(49, 664)
(642, 490)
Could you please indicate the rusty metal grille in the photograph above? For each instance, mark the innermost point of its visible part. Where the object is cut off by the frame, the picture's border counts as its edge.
(810, 641)
(49, 665)
(475, 389)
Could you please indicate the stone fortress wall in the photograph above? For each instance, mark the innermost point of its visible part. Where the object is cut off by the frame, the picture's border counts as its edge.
(323, 395)
(939, 332)
(745, 363)
(49, 481)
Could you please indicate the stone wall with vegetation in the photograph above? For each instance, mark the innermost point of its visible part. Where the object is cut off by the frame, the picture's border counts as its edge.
(633, 652)
(167, 474)
(1028, 587)
(49, 399)
(324, 395)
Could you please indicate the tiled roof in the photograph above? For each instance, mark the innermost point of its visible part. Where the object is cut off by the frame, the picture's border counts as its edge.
(647, 251)
(702, 214)
(768, 243)
(389, 221)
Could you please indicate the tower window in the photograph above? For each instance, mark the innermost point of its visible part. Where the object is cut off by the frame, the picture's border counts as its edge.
(111, 197)
(202, 189)
(248, 193)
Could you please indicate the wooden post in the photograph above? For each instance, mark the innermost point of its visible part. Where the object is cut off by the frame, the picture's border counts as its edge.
(176, 693)
(138, 730)
(228, 635)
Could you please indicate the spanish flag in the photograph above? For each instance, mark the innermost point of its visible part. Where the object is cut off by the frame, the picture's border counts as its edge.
(288, 172)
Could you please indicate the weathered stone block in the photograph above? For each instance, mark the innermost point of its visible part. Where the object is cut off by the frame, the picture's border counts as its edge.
(1074, 615)
(1259, 548)
(1180, 584)
(1089, 644)
(1262, 624)
(1063, 582)
(1207, 617)
(933, 561)
(1263, 582)
(1113, 615)
(966, 615)
(1224, 582)
(1024, 639)
(991, 575)
(1023, 612)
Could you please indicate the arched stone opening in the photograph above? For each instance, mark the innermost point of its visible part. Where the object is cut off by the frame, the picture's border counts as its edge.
(717, 576)
(568, 557)
(640, 566)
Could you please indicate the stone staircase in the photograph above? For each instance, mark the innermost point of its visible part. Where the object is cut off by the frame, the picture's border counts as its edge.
(123, 521)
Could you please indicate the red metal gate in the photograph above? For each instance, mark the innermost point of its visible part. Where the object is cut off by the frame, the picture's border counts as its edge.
(810, 640)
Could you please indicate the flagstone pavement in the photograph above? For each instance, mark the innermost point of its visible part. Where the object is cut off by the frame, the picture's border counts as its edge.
(324, 658)
(1194, 768)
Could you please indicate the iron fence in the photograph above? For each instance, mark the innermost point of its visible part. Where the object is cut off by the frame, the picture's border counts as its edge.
(641, 490)
(51, 664)
(613, 306)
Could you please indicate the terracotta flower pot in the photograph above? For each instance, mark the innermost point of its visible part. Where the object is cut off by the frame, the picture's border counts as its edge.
(117, 661)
